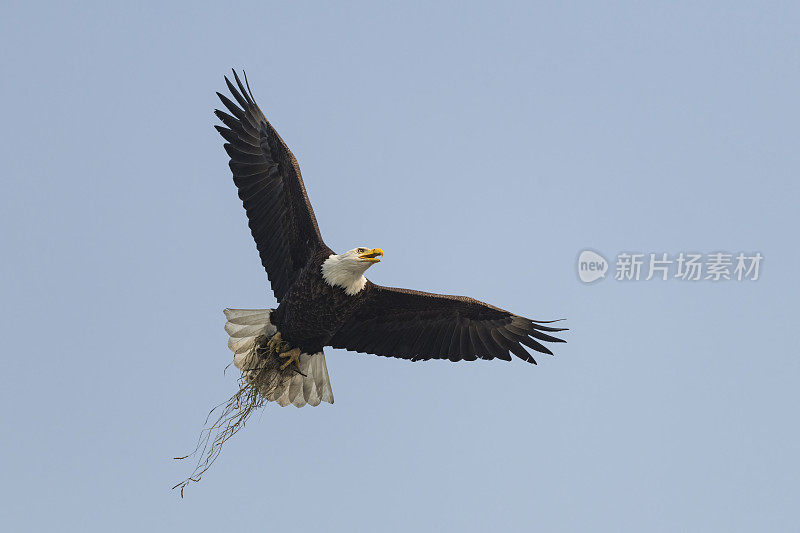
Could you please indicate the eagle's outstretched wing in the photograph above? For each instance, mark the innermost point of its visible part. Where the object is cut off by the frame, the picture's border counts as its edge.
(419, 326)
(270, 187)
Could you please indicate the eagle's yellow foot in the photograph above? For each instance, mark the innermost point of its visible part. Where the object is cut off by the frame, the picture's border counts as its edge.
(276, 344)
(292, 356)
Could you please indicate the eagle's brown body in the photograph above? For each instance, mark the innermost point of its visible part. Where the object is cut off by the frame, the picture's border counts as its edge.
(311, 331)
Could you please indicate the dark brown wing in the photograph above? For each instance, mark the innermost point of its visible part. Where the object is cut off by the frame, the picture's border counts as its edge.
(420, 326)
(270, 187)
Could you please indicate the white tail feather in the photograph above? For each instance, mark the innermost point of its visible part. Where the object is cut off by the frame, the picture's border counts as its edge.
(244, 326)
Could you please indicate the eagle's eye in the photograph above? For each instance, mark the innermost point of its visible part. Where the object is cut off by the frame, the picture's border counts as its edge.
(361, 250)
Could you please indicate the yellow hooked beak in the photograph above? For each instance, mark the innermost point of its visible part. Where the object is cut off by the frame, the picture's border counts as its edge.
(371, 255)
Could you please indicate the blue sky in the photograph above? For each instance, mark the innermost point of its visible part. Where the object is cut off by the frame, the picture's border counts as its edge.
(482, 147)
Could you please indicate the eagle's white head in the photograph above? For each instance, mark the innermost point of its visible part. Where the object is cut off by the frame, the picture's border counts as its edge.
(347, 270)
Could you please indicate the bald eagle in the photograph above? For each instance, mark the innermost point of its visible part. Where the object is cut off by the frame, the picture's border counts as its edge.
(324, 298)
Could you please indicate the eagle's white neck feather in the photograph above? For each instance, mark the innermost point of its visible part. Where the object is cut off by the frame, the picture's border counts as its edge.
(346, 272)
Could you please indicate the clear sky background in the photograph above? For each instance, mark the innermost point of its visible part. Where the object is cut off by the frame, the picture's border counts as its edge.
(482, 147)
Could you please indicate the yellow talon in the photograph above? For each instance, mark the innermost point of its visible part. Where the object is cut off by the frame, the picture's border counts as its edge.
(293, 356)
(275, 342)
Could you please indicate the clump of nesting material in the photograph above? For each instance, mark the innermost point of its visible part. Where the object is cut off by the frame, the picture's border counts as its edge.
(265, 377)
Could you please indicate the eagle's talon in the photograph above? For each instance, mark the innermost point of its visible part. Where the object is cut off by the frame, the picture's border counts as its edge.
(293, 356)
(275, 343)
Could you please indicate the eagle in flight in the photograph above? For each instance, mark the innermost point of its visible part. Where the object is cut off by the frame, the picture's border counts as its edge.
(324, 298)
